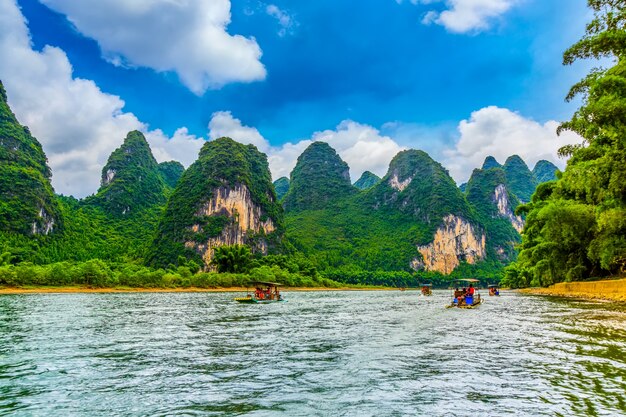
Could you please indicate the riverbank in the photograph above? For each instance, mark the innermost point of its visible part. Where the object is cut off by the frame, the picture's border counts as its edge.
(610, 290)
(86, 289)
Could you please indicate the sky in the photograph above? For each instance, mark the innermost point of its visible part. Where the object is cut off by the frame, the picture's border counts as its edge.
(459, 79)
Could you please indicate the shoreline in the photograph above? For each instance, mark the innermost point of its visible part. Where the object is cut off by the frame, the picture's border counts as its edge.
(606, 290)
(81, 289)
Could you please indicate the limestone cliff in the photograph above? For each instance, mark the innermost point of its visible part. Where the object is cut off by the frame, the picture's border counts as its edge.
(226, 197)
(501, 200)
(456, 240)
(245, 218)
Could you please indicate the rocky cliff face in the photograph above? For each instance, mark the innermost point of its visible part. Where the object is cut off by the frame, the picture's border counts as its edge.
(455, 241)
(226, 197)
(244, 218)
(501, 200)
(27, 201)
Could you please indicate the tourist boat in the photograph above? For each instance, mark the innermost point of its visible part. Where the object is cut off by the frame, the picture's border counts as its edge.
(264, 293)
(461, 298)
(427, 289)
(494, 290)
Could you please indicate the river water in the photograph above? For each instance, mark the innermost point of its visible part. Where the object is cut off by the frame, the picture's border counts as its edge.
(371, 353)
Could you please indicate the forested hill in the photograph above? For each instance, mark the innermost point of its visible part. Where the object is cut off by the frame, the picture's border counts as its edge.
(415, 220)
(27, 202)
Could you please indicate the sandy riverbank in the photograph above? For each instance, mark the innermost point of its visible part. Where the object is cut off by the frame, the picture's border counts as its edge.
(611, 290)
(85, 289)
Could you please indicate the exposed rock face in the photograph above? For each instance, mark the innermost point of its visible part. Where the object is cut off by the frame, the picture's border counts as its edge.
(226, 197)
(245, 218)
(396, 184)
(501, 200)
(455, 241)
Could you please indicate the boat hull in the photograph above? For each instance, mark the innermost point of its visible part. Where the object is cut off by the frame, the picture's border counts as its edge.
(251, 300)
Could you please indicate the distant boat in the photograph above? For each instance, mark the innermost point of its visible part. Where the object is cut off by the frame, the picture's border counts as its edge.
(264, 293)
(494, 290)
(427, 289)
(465, 298)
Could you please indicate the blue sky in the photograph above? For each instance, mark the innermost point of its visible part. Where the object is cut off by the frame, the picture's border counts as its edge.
(458, 78)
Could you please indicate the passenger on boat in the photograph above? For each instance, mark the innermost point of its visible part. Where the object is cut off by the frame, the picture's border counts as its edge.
(470, 290)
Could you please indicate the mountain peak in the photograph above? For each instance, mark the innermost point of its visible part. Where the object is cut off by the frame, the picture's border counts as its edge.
(491, 162)
(544, 171)
(368, 180)
(281, 186)
(320, 177)
(519, 177)
(131, 180)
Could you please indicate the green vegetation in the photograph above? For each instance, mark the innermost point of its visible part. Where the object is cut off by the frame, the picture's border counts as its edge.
(519, 177)
(500, 233)
(490, 162)
(544, 171)
(27, 203)
(576, 225)
(131, 179)
(281, 186)
(319, 179)
(367, 180)
(96, 273)
(171, 171)
(223, 164)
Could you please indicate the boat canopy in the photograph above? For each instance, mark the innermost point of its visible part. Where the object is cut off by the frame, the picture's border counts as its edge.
(493, 286)
(467, 280)
(269, 284)
(426, 285)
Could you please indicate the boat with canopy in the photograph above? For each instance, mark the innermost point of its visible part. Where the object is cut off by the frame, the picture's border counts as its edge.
(465, 293)
(427, 289)
(264, 293)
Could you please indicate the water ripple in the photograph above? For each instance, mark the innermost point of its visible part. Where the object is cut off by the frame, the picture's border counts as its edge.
(320, 354)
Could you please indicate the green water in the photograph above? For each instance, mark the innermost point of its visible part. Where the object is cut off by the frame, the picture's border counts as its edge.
(320, 354)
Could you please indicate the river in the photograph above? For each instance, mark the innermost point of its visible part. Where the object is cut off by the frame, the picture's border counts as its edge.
(366, 353)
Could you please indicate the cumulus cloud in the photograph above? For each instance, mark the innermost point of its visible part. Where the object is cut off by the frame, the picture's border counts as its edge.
(186, 37)
(360, 145)
(77, 124)
(462, 16)
(501, 133)
(224, 124)
(284, 19)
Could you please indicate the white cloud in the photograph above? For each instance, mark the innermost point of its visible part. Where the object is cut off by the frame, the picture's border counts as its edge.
(224, 124)
(285, 20)
(77, 124)
(501, 133)
(361, 146)
(186, 37)
(462, 16)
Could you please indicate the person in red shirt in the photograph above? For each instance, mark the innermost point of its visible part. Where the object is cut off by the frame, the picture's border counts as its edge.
(470, 290)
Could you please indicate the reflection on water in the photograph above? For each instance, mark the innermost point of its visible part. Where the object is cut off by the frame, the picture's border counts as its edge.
(321, 353)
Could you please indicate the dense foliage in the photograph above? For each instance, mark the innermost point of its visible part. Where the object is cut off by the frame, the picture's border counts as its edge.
(319, 178)
(222, 163)
(27, 202)
(171, 171)
(480, 193)
(544, 171)
(281, 186)
(576, 226)
(131, 180)
(367, 180)
(520, 179)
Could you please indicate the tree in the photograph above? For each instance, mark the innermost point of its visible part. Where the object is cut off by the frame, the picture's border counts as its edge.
(235, 259)
(576, 226)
